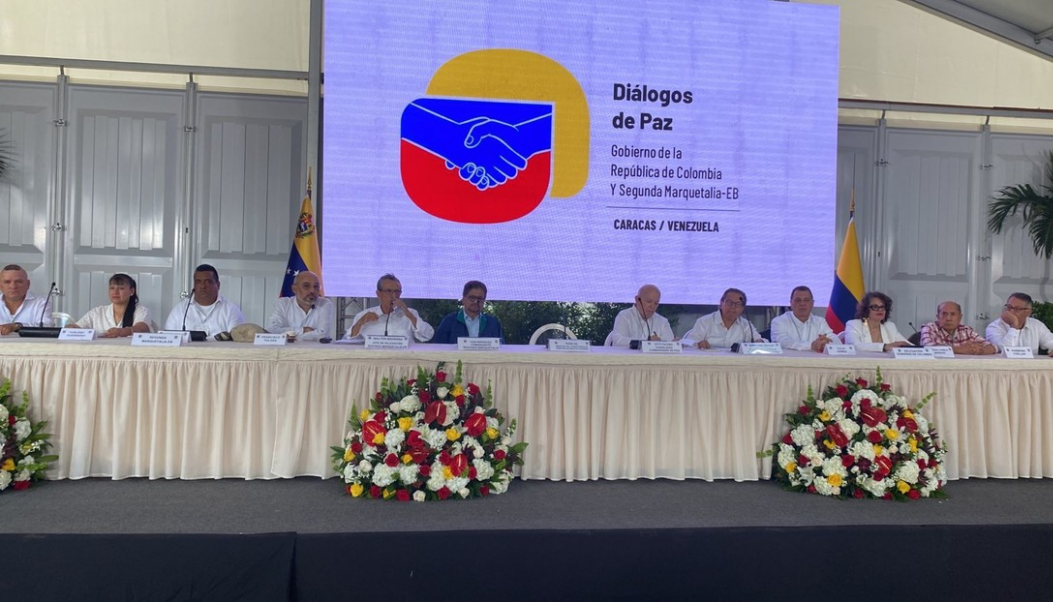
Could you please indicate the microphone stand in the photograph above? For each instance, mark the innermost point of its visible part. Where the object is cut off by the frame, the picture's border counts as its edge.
(47, 300)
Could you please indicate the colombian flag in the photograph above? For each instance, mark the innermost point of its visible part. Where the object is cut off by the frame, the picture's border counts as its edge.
(848, 281)
(304, 255)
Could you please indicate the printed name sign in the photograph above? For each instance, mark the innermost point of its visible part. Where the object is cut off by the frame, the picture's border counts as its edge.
(942, 351)
(376, 341)
(478, 344)
(760, 349)
(157, 339)
(569, 345)
(270, 340)
(661, 347)
(1019, 353)
(77, 334)
(833, 349)
(913, 353)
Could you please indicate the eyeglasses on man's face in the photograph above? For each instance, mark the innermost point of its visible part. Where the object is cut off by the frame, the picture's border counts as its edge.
(475, 298)
(876, 307)
(1015, 308)
(735, 304)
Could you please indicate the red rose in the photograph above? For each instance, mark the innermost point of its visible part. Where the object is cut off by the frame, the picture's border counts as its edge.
(445, 458)
(11, 420)
(803, 410)
(787, 439)
(842, 391)
(921, 464)
(440, 376)
(473, 389)
(887, 496)
(402, 495)
(411, 381)
(858, 494)
(425, 470)
(484, 491)
(864, 403)
(914, 494)
(847, 460)
(425, 397)
(476, 424)
(880, 474)
(861, 382)
(499, 454)
(356, 447)
(847, 405)
(874, 437)
(460, 400)
(443, 493)
(380, 417)
(378, 396)
(473, 473)
(371, 429)
(811, 489)
(802, 460)
(886, 387)
(872, 416)
(838, 436)
(391, 460)
(414, 440)
(436, 412)
(458, 465)
(374, 492)
(21, 485)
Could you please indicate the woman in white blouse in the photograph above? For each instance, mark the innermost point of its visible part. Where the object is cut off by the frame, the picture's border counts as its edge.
(871, 330)
(123, 316)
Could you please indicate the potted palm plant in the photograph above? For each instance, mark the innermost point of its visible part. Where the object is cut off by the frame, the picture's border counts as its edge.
(1034, 207)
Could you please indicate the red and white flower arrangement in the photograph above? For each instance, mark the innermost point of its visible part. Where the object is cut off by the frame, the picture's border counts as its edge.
(22, 458)
(428, 438)
(861, 440)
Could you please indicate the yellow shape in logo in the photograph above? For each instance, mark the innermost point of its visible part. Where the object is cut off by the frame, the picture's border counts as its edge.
(506, 74)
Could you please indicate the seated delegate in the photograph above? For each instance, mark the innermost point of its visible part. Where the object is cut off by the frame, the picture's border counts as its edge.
(641, 322)
(469, 321)
(206, 309)
(306, 316)
(798, 329)
(392, 316)
(949, 331)
(1016, 328)
(871, 330)
(724, 327)
(122, 317)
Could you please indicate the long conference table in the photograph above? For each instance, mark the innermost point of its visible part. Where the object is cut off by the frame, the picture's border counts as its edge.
(218, 410)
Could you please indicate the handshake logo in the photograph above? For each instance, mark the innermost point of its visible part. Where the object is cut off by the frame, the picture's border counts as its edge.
(475, 160)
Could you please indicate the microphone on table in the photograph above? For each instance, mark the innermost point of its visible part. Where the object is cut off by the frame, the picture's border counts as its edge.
(189, 302)
(911, 324)
(47, 300)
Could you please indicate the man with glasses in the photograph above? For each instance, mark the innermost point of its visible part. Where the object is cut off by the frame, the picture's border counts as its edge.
(1016, 328)
(799, 329)
(641, 322)
(469, 321)
(948, 330)
(724, 327)
(392, 317)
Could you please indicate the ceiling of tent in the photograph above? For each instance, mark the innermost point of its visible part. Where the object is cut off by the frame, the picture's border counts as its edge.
(1026, 23)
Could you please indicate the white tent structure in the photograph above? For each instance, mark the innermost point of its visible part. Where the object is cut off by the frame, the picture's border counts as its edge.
(154, 136)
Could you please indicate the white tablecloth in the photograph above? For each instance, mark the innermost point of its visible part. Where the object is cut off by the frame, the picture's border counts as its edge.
(213, 410)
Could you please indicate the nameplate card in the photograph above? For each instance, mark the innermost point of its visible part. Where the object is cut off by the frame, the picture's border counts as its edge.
(267, 339)
(942, 351)
(158, 339)
(77, 334)
(569, 345)
(1019, 353)
(478, 344)
(661, 347)
(760, 349)
(913, 353)
(389, 341)
(183, 334)
(835, 349)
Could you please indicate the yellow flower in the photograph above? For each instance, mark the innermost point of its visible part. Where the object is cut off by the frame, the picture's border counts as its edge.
(878, 450)
(491, 432)
(389, 493)
(405, 424)
(902, 486)
(892, 434)
(357, 489)
(908, 414)
(825, 416)
(9, 465)
(348, 455)
(378, 439)
(447, 473)
(829, 444)
(834, 480)
(913, 444)
(452, 434)
(792, 466)
(363, 415)
(406, 458)
(457, 390)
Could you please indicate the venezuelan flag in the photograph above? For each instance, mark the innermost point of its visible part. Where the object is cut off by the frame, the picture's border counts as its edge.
(848, 281)
(304, 254)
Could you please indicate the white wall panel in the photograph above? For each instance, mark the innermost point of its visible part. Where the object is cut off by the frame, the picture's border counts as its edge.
(27, 113)
(250, 173)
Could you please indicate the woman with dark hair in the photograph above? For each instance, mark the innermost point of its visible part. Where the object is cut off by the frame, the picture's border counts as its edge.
(871, 330)
(123, 316)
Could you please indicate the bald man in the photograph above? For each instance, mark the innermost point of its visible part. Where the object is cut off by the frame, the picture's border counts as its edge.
(20, 307)
(641, 322)
(307, 316)
(948, 330)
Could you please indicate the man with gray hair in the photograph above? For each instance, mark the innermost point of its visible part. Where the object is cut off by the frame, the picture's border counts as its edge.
(641, 322)
(20, 307)
(949, 331)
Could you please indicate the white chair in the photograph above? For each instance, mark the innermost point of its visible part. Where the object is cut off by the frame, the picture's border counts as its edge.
(553, 327)
(61, 319)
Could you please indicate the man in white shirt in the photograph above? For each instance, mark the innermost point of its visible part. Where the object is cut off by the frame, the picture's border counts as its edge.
(206, 309)
(799, 329)
(724, 327)
(307, 315)
(20, 307)
(1016, 328)
(641, 322)
(392, 317)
